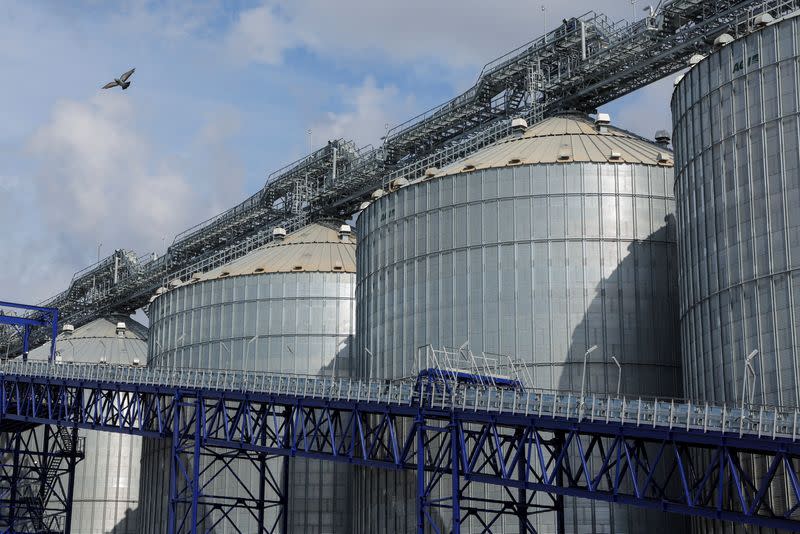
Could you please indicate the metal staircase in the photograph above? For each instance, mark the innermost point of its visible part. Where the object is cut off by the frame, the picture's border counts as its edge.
(35, 495)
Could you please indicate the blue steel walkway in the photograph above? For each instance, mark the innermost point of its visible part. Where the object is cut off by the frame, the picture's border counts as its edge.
(675, 456)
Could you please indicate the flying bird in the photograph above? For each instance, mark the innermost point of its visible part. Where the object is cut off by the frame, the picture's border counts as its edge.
(122, 81)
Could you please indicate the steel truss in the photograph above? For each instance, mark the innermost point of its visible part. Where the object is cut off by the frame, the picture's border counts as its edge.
(23, 325)
(37, 469)
(677, 469)
(581, 64)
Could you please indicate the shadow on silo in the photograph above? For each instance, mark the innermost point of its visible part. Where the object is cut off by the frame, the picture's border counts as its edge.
(632, 314)
(129, 524)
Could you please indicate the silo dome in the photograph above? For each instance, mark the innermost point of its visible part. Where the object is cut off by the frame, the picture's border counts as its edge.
(552, 240)
(287, 307)
(106, 494)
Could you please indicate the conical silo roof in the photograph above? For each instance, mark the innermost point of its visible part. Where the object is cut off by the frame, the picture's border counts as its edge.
(100, 340)
(570, 138)
(313, 248)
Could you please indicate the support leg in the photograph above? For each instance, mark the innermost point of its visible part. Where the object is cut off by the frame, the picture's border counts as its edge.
(72, 461)
(522, 493)
(196, 463)
(262, 489)
(420, 422)
(560, 527)
(284, 496)
(173, 472)
(15, 474)
(455, 457)
(54, 318)
(26, 342)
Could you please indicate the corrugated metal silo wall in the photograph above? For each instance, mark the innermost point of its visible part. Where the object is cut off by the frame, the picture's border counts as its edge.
(537, 261)
(211, 324)
(735, 118)
(106, 490)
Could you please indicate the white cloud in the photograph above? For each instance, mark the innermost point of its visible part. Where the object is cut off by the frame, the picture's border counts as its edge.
(97, 179)
(447, 41)
(454, 33)
(369, 109)
(260, 35)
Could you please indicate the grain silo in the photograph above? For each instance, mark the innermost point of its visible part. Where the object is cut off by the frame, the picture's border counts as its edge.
(287, 307)
(735, 118)
(106, 494)
(552, 240)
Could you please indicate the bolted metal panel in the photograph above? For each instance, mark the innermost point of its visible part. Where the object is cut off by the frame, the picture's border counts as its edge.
(536, 261)
(735, 118)
(106, 494)
(296, 322)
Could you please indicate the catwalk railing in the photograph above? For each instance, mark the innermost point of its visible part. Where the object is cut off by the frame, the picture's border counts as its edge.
(681, 457)
(760, 421)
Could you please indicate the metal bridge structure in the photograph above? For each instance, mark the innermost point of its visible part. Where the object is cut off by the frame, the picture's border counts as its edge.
(583, 63)
(659, 453)
(535, 447)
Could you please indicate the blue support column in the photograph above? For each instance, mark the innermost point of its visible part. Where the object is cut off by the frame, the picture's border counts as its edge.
(455, 456)
(284, 497)
(420, 424)
(54, 336)
(196, 463)
(174, 459)
(560, 523)
(73, 460)
(26, 342)
(522, 494)
(15, 474)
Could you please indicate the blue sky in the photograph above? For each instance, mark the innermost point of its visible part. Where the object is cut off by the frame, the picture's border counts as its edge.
(224, 93)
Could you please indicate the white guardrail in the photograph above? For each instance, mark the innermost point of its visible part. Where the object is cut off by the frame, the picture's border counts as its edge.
(760, 421)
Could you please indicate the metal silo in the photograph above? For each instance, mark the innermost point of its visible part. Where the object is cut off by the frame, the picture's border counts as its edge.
(735, 118)
(287, 307)
(106, 494)
(555, 239)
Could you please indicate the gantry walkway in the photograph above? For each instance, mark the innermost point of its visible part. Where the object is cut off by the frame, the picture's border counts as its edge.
(676, 456)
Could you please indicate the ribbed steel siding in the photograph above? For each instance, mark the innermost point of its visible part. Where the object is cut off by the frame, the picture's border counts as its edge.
(534, 261)
(735, 118)
(106, 491)
(738, 192)
(209, 325)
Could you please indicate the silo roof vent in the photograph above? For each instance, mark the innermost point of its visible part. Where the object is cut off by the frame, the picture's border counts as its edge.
(565, 153)
(662, 138)
(121, 329)
(68, 329)
(279, 233)
(762, 19)
(615, 156)
(364, 205)
(430, 172)
(344, 232)
(695, 59)
(663, 158)
(678, 79)
(175, 283)
(378, 193)
(397, 183)
(602, 121)
(722, 40)
(519, 125)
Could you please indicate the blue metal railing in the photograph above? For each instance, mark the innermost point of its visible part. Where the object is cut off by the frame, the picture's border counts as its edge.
(761, 421)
